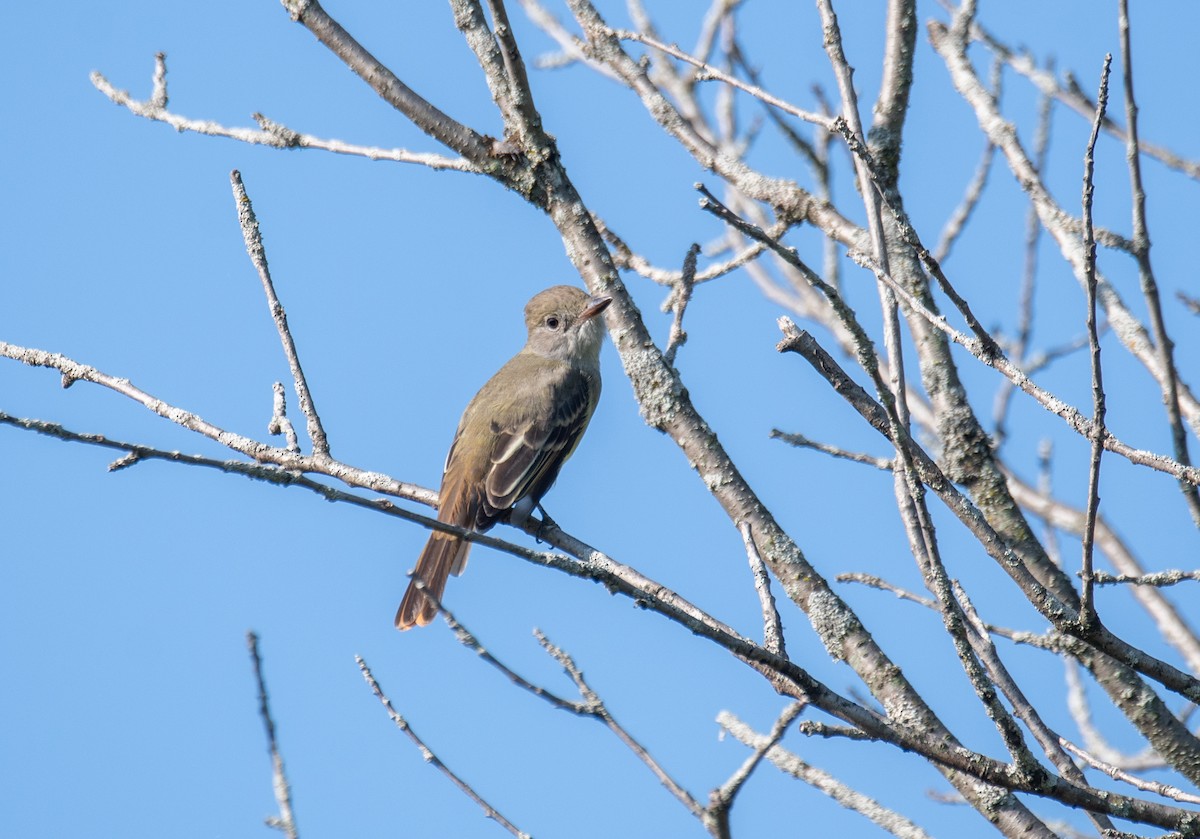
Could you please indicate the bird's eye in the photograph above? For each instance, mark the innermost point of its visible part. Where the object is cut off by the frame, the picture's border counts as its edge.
(552, 322)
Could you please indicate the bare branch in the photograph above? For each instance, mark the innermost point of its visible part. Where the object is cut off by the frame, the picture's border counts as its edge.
(1033, 234)
(958, 219)
(709, 72)
(984, 347)
(594, 706)
(261, 453)
(1165, 790)
(891, 106)
(772, 625)
(624, 257)
(429, 757)
(1171, 624)
(280, 424)
(269, 133)
(1141, 241)
(790, 763)
(799, 440)
(981, 642)
(573, 48)
(950, 43)
(871, 581)
(286, 820)
(475, 147)
(720, 801)
(1158, 579)
(677, 302)
(469, 639)
(1073, 96)
(794, 202)
(258, 256)
(1061, 614)
(987, 350)
(1087, 608)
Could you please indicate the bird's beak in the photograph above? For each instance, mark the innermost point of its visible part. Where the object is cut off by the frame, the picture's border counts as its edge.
(595, 306)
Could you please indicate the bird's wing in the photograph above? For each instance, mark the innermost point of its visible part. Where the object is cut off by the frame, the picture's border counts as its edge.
(530, 449)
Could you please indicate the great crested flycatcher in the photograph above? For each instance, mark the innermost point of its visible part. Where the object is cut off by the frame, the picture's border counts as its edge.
(514, 436)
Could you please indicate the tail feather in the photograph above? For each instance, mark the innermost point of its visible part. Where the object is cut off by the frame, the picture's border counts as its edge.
(443, 553)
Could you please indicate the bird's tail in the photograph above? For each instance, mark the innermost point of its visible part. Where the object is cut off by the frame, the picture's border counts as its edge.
(443, 553)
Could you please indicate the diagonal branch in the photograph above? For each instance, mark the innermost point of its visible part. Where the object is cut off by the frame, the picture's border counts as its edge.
(593, 706)
(269, 133)
(950, 44)
(720, 801)
(707, 71)
(475, 147)
(1141, 251)
(431, 758)
(286, 820)
(789, 762)
(258, 256)
(1062, 615)
(1074, 97)
(773, 638)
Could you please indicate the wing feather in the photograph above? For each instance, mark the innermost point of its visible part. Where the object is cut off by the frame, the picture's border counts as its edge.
(530, 450)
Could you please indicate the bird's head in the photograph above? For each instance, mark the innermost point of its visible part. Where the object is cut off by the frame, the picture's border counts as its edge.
(563, 325)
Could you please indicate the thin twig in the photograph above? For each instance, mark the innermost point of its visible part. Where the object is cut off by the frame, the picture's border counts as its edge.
(821, 780)
(1141, 243)
(987, 350)
(718, 13)
(677, 302)
(872, 581)
(909, 488)
(1060, 613)
(624, 257)
(958, 220)
(1165, 790)
(280, 424)
(772, 624)
(720, 800)
(470, 640)
(1072, 95)
(831, 263)
(258, 256)
(1033, 234)
(800, 441)
(851, 125)
(707, 71)
(429, 757)
(595, 707)
(1087, 606)
(269, 133)
(1081, 714)
(1063, 615)
(1158, 579)
(1171, 623)
(573, 49)
(951, 46)
(1024, 709)
(286, 820)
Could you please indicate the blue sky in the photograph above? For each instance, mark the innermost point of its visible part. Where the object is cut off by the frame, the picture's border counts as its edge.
(129, 705)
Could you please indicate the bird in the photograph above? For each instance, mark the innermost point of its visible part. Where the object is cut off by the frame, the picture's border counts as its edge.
(514, 437)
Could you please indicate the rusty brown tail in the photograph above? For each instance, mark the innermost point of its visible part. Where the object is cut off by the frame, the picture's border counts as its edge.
(442, 554)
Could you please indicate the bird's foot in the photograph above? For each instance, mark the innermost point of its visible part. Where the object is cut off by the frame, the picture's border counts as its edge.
(545, 523)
